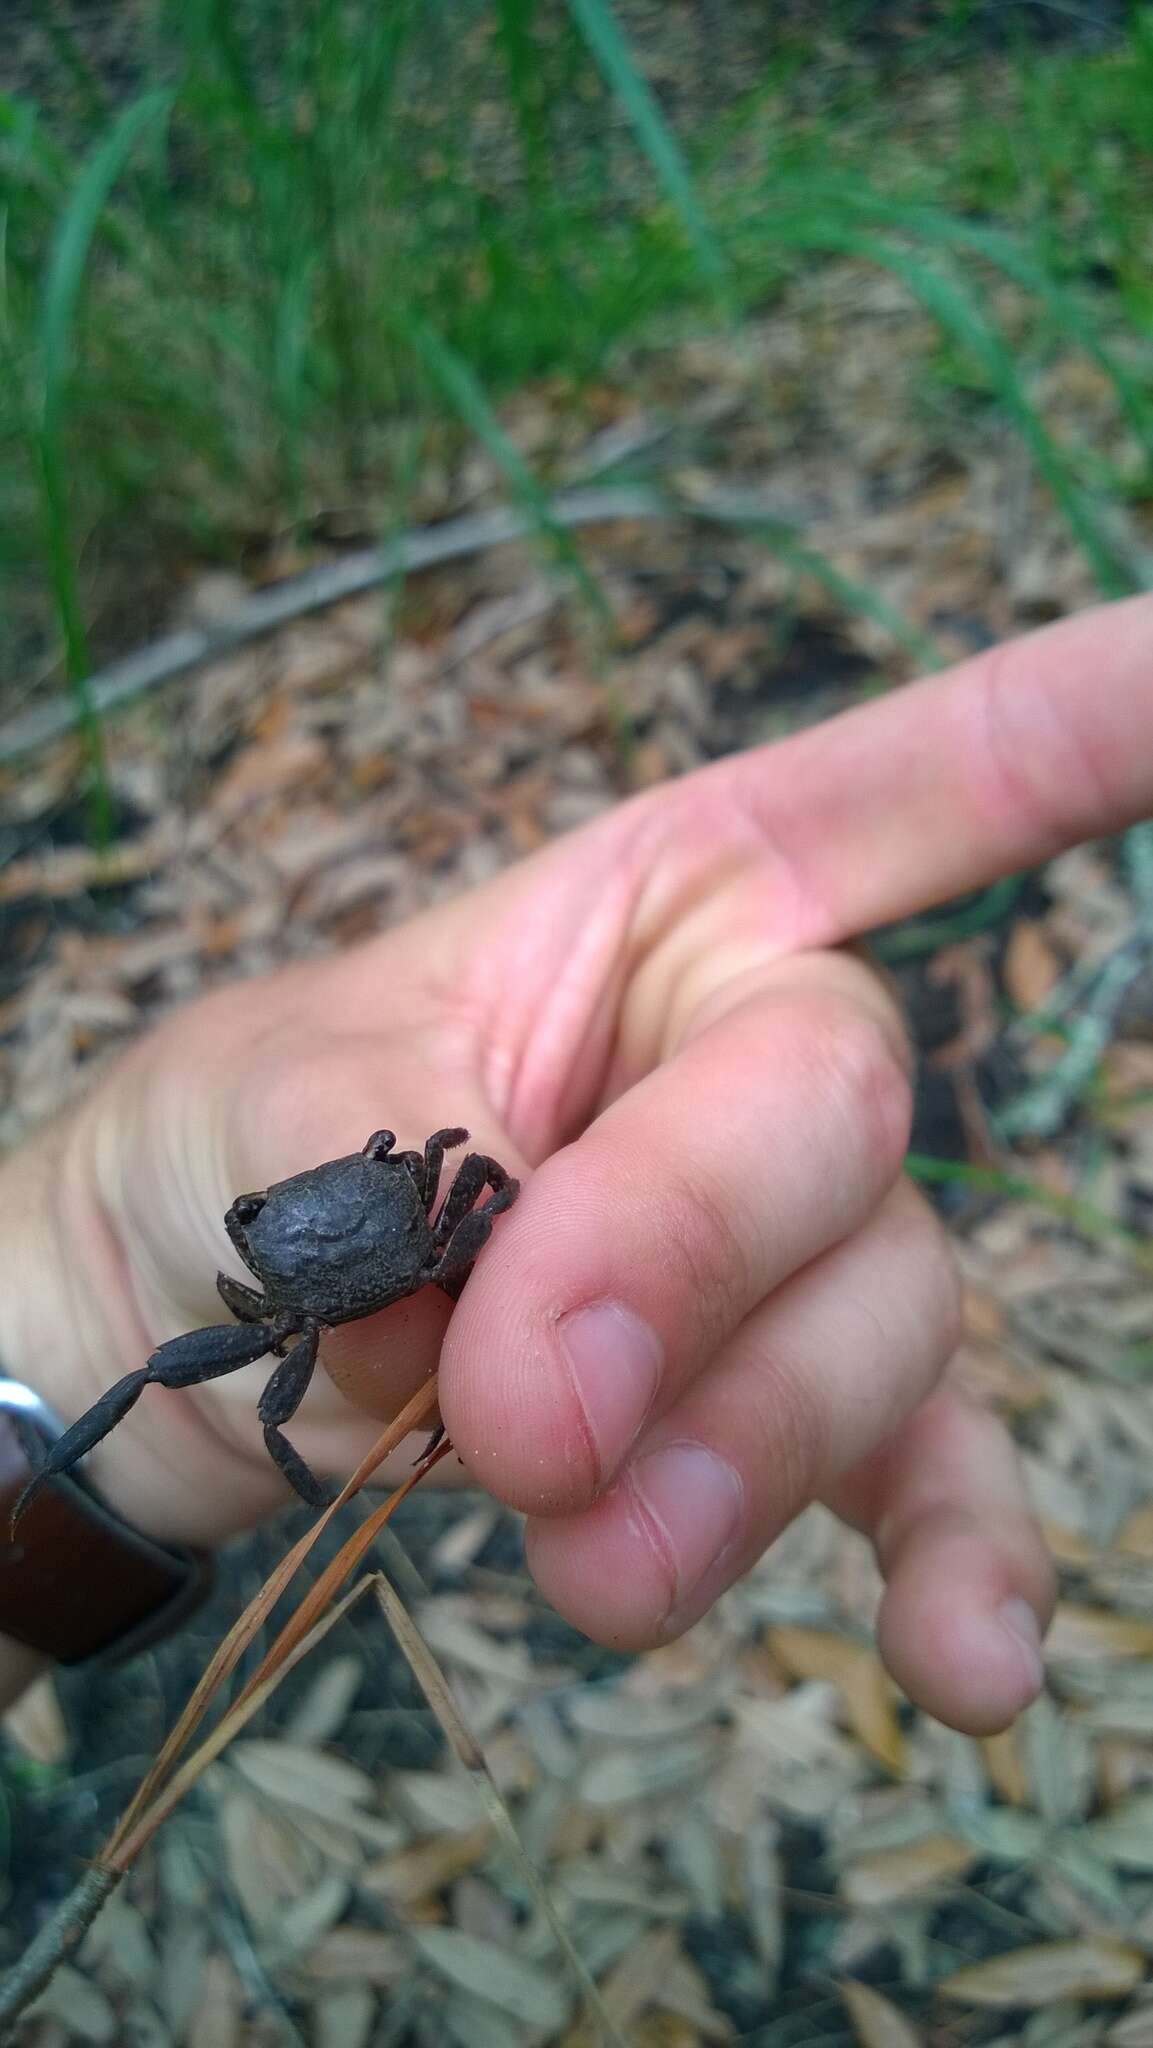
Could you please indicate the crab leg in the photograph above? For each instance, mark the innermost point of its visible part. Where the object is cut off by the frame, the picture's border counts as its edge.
(183, 1362)
(248, 1305)
(428, 1178)
(464, 1231)
(278, 1403)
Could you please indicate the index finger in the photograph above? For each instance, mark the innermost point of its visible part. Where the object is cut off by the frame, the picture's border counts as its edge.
(945, 785)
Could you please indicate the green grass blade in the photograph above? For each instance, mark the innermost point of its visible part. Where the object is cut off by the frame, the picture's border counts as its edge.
(72, 242)
(1092, 1222)
(846, 590)
(514, 23)
(462, 389)
(1000, 249)
(959, 313)
(936, 226)
(67, 263)
(601, 30)
(912, 940)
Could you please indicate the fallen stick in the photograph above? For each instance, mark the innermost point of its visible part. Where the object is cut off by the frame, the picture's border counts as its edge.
(365, 569)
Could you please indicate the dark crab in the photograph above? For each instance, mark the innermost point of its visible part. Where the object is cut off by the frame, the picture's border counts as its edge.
(328, 1246)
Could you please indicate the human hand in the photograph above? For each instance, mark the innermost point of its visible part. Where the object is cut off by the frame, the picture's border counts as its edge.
(716, 1298)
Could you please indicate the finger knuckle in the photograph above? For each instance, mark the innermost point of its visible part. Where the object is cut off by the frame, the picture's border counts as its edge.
(923, 1300)
(801, 1427)
(705, 1255)
(865, 1060)
(947, 1290)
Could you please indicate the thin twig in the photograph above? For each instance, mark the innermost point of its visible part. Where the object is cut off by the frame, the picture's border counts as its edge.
(240, 1635)
(161, 1793)
(423, 548)
(238, 1716)
(58, 1939)
(351, 576)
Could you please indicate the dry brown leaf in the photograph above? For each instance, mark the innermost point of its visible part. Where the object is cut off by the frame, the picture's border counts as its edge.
(79, 2004)
(1122, 1767)
(118, 1947)
(906, 1872)
(183, 1953)
(876, 2023)
(1134, 2031)
(965, 968)
(859, 1676)
(595, 1881)
(984, 1314)
(526, 1991)
(634, 1983)
(1125, 1836)
(436, 1802)
(344, 2018)
(625, 1716)
(456, 1549)
(36, 1724)
(361, 1955)
(625, 1775)
(423, 1870)
(321, 1713)
(1006, 1768)
(684, 1995)
(762, 1891)
(1090, 1632)
(268, 1861)
(302, 1923)
(1049, 1973)
(296, 1775)
(341, 1845)
(1135, 1536)
(1127, 1072)
(1067, 1546)
(268, 768)
(479, 1909)
(997, 1377)
(68, 870)
(462, 1642)
(218, 2018)
(786, 1750)
(1032, 965)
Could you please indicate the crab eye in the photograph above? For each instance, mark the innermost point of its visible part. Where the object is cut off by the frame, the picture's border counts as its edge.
(246, 1208)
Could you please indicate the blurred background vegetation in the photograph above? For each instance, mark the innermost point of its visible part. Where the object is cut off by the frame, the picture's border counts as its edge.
(261, 266)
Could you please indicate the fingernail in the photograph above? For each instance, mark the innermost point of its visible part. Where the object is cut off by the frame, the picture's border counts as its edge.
(696, 1499)
(1019, 1619)
(615, 1363)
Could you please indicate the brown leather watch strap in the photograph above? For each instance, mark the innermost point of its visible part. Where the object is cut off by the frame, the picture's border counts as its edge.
(77, 1582)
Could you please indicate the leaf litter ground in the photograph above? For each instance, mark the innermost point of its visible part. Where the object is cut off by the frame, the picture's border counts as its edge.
(752, 1837)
